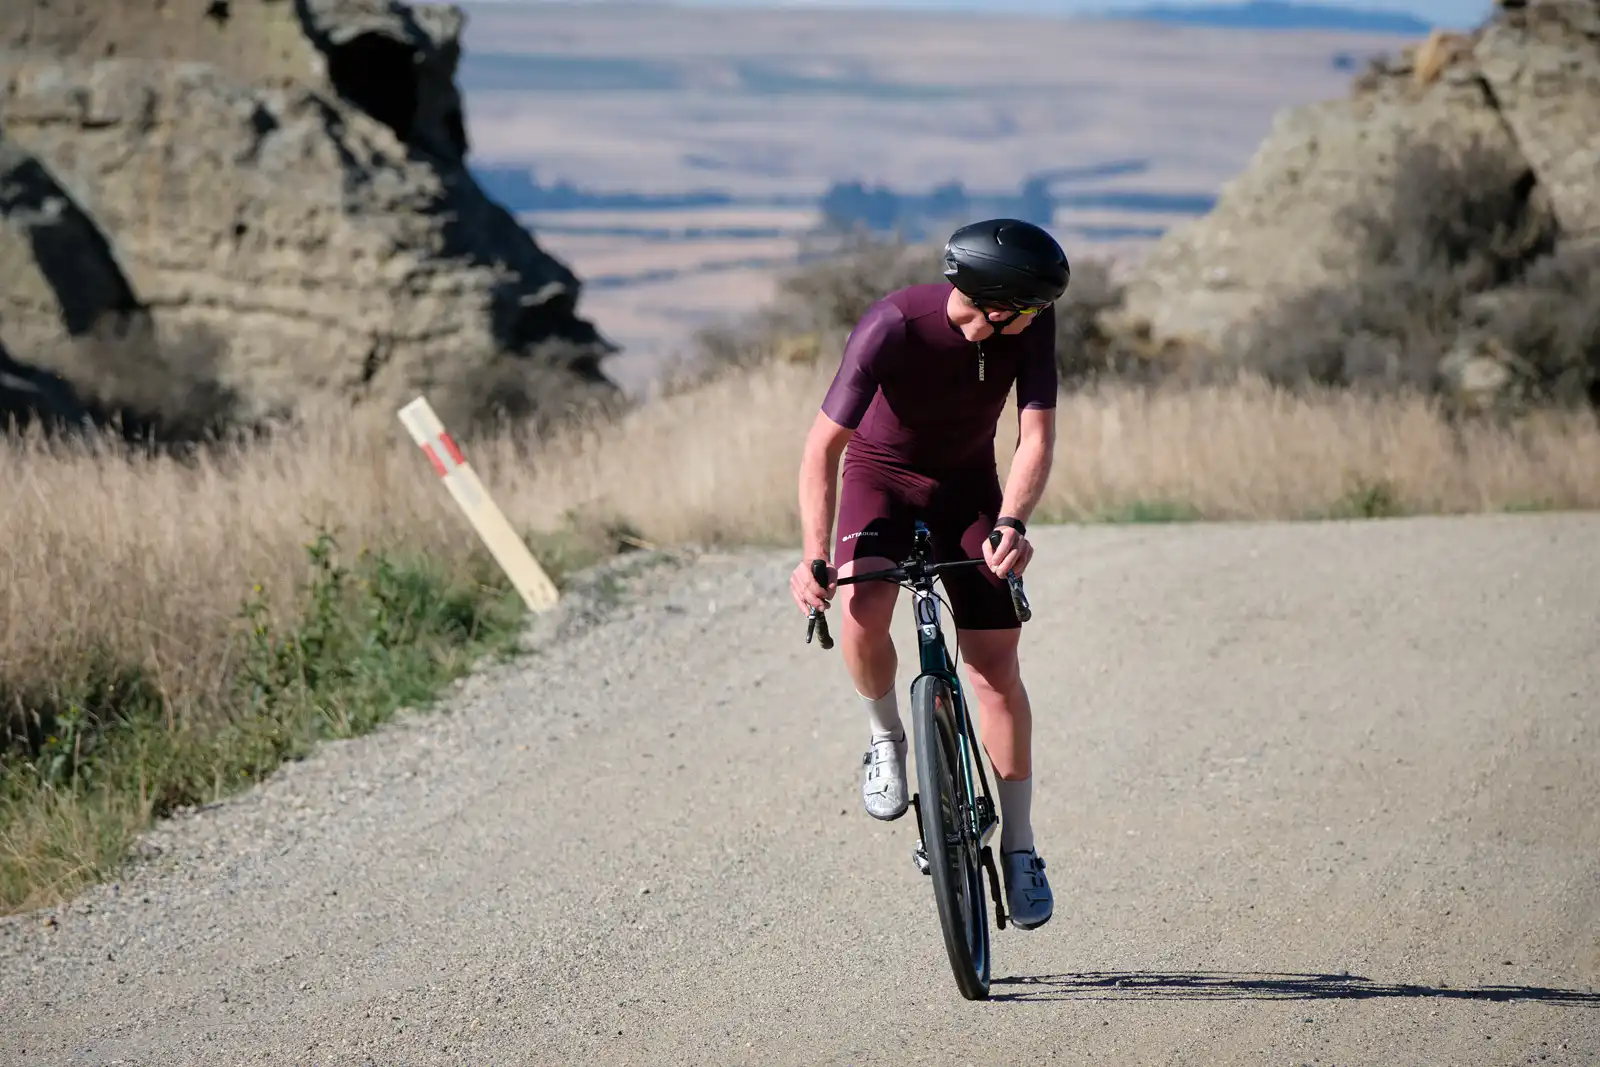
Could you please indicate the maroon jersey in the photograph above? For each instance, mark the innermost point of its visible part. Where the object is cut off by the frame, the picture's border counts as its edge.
(923, 398)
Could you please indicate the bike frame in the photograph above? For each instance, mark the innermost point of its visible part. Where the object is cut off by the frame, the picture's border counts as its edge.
(917, 574)
(935, 659)
(979, 819)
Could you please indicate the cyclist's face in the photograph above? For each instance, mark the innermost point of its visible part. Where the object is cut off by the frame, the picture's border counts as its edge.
(978, 322)
(1008, 321)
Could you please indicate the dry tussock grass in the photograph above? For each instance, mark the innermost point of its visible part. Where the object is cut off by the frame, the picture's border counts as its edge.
(1251, 451)
(108, 560)
(148, 559)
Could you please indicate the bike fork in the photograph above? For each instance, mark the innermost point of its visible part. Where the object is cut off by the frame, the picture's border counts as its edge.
(919, 855)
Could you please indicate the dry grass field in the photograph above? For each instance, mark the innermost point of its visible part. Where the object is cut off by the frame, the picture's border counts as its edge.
(136, 573)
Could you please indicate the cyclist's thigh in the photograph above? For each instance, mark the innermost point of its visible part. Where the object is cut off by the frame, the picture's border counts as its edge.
(965, 509)
(874, 533)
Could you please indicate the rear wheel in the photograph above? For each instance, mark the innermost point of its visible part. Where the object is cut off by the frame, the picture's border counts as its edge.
(952, 853)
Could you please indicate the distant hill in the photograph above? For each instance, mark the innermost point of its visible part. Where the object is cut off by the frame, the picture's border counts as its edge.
(1277, 15)
(1249, 15)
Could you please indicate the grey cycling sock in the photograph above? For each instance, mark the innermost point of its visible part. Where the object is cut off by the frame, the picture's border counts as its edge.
(1016, 800)
(884, 712)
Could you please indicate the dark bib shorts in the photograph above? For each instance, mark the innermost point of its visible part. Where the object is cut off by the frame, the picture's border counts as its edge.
(878, 506)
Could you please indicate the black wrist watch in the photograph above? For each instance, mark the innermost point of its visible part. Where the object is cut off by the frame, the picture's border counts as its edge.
(1015, 523)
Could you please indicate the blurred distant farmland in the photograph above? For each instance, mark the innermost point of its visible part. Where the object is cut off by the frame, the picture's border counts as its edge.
(677, 158)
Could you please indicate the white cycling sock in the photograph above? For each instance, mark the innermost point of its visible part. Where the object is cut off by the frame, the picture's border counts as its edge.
(1016, 800)
(884, 712)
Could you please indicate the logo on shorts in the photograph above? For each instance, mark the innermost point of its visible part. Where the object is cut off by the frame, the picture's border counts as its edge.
(859, 533)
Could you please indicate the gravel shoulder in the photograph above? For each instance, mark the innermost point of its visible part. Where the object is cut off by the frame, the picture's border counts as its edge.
(1309, 794)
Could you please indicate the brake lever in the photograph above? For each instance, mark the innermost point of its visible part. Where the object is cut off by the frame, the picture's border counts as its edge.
(816, 622)
(1019, 599)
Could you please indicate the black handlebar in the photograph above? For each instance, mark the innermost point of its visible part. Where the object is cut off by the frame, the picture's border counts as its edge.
(817, 624)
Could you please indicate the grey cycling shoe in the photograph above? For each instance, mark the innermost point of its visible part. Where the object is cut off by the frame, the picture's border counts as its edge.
(883, 785)
(1028, 895)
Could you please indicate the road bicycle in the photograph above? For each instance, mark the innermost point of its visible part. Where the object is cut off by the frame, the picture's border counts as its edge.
(957, 825)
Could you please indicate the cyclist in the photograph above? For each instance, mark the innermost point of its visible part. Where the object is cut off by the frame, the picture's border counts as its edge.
(921, 384)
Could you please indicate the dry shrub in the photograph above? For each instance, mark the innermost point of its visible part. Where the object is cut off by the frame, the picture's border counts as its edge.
(30, 396)
(819, 304)
(1550, 320)
(820, 301)
(1464, 247)
(834, 293)
(1089, 350)
(535, 392)
(152, 382)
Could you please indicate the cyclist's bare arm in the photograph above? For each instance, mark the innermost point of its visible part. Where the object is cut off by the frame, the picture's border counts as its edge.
(1038, 389)
(819, 475)
(1030, 466)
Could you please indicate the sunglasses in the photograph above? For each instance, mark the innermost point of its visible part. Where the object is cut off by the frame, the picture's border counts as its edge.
(1032, 309)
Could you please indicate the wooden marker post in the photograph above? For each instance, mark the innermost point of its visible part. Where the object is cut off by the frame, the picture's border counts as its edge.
(530, 579)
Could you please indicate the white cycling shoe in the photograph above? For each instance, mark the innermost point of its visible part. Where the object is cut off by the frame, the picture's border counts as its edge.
(883, 784)
(1028, 895)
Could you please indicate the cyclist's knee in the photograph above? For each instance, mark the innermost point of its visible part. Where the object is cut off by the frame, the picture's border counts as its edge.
(869, 607)
(991, 657)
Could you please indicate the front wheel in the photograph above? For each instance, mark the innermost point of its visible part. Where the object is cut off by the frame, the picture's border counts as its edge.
(952, 853)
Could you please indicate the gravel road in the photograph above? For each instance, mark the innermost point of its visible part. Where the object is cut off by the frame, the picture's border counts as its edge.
(1309, 794)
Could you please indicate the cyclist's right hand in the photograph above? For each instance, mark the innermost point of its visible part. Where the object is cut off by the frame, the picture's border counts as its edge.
(806, 590)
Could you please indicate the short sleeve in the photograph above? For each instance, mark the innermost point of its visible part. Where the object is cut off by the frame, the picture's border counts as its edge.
(867, 352)
(1037, 383)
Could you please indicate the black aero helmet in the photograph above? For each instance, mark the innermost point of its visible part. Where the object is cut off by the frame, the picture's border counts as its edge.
(1006, 263)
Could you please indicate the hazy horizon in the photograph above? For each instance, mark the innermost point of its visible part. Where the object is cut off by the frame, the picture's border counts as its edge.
(1446, 13)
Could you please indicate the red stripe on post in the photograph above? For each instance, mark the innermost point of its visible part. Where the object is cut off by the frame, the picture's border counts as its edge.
(433, 457)
(450, 447)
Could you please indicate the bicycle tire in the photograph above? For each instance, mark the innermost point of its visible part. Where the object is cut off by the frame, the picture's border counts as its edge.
(954, 864)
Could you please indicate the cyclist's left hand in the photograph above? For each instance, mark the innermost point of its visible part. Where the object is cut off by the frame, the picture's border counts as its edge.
(1011, 555)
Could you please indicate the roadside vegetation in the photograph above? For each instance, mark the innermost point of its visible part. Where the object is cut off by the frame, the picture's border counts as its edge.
(175, 626)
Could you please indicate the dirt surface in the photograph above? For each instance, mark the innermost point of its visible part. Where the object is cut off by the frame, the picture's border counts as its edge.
(1314, 794)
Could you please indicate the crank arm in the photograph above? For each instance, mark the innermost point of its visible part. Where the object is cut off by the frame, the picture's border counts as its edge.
(995, 890)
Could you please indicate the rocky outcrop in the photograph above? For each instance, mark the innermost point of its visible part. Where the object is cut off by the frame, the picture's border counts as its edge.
(284, 177)
(1541, 63)
(1524, 87)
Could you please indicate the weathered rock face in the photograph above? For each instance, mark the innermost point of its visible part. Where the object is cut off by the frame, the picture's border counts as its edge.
(1525, 86)
(1542, 63)
(287, 179)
